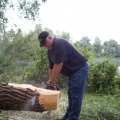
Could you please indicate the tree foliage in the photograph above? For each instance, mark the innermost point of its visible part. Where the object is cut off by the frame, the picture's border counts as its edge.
(29, 9)
(97, 47)
(17, 52)
(84, 50)
(103, 77)
(85, 42)
(23, 61)
(110, 47)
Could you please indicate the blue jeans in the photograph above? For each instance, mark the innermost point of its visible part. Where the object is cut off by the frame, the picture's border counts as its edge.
(76, 87)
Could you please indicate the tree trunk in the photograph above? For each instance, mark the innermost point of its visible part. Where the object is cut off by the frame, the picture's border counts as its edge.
(27, 97)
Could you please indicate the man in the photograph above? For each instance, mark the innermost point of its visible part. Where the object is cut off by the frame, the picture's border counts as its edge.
(65, 59)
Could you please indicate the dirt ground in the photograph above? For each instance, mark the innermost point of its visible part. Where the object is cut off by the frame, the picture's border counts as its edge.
(24, 115)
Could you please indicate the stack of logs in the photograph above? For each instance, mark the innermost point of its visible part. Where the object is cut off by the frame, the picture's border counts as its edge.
(27, 97)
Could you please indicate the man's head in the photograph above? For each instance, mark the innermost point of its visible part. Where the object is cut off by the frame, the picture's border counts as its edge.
(45, 40)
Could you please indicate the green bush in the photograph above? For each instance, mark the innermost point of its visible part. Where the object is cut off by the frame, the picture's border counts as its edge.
(88, 54)
(102, 77)
(37, 70)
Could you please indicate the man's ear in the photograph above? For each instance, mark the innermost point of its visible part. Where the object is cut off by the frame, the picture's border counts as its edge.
(50, 37)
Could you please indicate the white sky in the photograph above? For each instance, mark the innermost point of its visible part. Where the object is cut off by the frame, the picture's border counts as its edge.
(81, 18)
(92, 18)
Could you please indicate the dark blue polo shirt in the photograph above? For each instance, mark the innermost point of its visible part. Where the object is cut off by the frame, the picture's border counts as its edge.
(64, 52)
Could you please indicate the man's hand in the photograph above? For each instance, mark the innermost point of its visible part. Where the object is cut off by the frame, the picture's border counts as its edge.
(50, 83)
(52, 86)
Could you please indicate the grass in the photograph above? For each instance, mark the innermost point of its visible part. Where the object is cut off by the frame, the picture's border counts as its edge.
(95, 107)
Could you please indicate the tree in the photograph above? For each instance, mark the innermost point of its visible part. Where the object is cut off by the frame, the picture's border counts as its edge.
(97, 47)
(16, 54)
(65, 35)
(85, 42)
(110, 47)
(118, 51)
(26, 8)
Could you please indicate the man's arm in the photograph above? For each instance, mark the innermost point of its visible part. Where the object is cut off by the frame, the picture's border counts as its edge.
(50, 73)
(53, 73)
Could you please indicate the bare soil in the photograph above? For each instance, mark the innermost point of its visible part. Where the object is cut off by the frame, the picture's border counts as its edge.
(24, 115)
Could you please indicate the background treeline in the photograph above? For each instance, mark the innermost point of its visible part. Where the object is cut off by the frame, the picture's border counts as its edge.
(107, 48)
(23, 61)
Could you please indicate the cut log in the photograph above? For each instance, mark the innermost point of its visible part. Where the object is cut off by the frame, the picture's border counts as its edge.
(27, 97)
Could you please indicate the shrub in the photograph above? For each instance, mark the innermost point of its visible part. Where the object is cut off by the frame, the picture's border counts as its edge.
(102, 77)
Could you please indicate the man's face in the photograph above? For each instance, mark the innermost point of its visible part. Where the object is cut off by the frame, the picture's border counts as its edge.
(49, 42)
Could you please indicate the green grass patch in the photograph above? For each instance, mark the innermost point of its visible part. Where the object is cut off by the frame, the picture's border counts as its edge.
(100, 107)
(94, 107)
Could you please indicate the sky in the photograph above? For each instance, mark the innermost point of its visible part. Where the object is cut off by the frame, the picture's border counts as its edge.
(80, 18)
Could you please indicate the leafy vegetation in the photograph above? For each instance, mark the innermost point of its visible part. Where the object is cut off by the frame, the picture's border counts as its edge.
(26, 9)
(108, 48)
(103, 77)
(23, 61)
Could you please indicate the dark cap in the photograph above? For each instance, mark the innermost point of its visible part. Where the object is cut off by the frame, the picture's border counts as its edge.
(42, 37)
